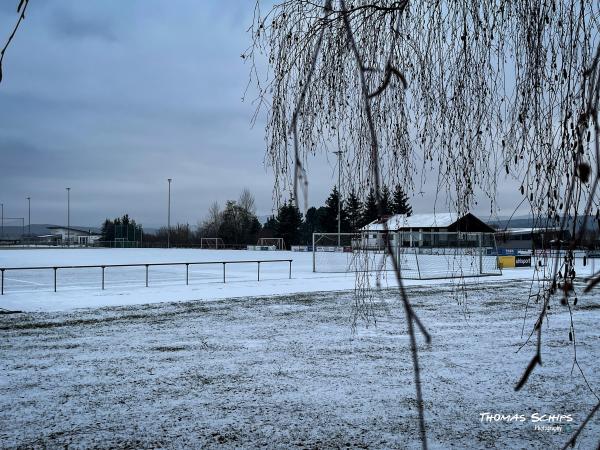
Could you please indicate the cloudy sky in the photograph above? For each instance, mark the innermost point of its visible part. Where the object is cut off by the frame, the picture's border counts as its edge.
(111, 98)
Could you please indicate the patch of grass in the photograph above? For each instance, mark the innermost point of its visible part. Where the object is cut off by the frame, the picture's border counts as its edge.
(588, 307)
(168, 348)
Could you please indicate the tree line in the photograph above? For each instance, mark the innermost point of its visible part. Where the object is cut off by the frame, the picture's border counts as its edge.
(121, 229)
(237, 224)
(290, 224)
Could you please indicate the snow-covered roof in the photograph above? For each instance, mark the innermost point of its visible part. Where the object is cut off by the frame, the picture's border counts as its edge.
(399, 221)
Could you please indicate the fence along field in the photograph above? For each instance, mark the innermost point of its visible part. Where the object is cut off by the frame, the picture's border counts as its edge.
(133, 274)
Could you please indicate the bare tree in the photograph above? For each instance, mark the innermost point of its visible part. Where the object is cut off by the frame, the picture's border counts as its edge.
(210, 226)
(246, 201)
(468, 90)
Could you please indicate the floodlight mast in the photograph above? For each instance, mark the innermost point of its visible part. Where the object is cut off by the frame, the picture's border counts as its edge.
(68, 217)
(169, 216)
(339, 154)
(29, 217)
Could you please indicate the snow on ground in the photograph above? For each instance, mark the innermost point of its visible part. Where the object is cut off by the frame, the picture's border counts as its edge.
(81, 288)
(288, 371)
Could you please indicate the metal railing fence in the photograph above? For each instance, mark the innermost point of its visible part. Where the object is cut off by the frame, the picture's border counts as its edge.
(147, 266)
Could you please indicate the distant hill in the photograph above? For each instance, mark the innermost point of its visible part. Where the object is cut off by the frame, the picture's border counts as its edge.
(529, 222)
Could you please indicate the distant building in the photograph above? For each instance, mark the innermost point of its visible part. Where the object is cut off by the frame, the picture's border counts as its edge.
(73, 236)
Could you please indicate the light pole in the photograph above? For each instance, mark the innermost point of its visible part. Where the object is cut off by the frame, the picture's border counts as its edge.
(68, 217)
(2, 233)
(169, 216)
(339, 154)
(29, 217)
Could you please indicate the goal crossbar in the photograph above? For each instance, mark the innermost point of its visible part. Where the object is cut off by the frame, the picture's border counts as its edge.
(214, 243)
(279, 243)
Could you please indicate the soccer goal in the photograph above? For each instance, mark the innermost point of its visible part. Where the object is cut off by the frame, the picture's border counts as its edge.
(420, 255)
(213, 243)
(339, 252)
(12, 229)
(268, 242)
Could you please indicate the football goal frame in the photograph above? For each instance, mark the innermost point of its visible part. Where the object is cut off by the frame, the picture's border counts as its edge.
(212, 243)
(419, 254)
(279, 243)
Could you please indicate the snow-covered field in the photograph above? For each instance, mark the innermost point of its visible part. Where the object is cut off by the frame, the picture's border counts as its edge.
(276, 362)
(288, 371)
(81, 288)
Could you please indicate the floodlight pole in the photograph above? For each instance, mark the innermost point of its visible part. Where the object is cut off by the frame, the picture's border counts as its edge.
(29, 217)
(68, 217)
(339, 155)
(169, 216)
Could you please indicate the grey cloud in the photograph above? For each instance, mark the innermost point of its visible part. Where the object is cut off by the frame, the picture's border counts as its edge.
(112, 98)
(66, 24)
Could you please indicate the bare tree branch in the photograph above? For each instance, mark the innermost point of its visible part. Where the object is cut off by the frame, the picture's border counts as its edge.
(20, 9)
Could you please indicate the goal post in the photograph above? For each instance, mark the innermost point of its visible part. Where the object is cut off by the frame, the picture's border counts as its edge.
(211, 243)
(279, 243)
(336, 252)
(420, 255)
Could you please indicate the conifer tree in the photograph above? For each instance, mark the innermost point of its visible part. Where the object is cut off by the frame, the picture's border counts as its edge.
(288, 222)
(386, 201)
(354, 211)
(370, 211)
(329, 220)
(400, 203)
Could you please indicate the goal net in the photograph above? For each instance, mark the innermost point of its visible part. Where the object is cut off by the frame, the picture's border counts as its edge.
(268, 242)
(213, 243)
(420, 255)
(13, 228)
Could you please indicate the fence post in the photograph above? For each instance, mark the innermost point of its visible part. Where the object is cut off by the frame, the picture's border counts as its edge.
(290, 269)
(187, 267)
(102, 277)
(55, 269)
(258, 271)
(223, 272)
(146, 275)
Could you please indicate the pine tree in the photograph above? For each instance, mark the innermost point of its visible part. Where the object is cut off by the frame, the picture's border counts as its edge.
(354, 211)
(107, 231)
(386, 202)
(311, 223)
(289, 220)
(370, 211)
(400, 203)
(270, 224)
(329, 221)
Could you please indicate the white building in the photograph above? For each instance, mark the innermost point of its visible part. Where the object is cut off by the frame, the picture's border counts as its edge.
(426, 230)
(74, 236)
